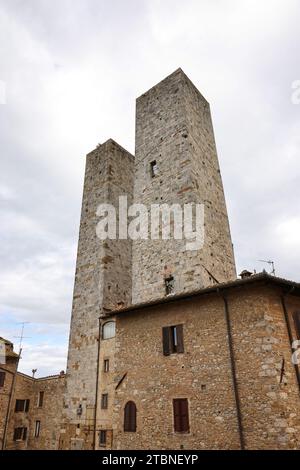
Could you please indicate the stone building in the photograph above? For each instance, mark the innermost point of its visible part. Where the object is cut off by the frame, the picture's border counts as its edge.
(30, 408)
(167, 348)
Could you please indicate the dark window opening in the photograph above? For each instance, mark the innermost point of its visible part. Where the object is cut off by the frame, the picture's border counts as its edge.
(130, 417)
(37, 429)
(172, 339)
(104, 401)
(102, 438)
(20, 434)
(169, 285)
(22, 405)
(2, 379)
(181, 415)
(106, 365)
(153, 169)
(41, 399)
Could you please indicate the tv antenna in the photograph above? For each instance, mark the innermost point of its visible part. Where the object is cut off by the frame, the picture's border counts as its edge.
(270, 263)
(21, 337)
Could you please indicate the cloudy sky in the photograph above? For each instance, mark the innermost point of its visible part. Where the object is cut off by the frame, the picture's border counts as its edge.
(70, 71)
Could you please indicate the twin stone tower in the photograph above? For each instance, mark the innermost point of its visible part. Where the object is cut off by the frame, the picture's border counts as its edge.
(175, 162)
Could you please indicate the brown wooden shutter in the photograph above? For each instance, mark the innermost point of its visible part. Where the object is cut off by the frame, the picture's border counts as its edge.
(176, 412)
(130, 417)
(179, 332)
(24, 433)
(297, 323)
(181, 415)
(184, 409)
(166, 340)
(27, 405)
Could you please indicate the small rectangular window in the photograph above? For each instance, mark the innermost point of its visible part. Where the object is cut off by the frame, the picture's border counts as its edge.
(153, 169)
(37, 429)
(173, 339)
(102, 438)
(169, 285)
(106, 365)
(2, 379)
(104, 401)
(181, 415)
(41, 399)
(22, 405)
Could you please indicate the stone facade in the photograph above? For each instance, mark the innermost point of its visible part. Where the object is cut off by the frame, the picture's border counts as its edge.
(267, 386)
(48, 412)
(233, 370)
(174, 130)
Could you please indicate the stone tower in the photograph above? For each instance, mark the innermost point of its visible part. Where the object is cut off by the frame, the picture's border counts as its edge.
(102, 282)
(176, 162)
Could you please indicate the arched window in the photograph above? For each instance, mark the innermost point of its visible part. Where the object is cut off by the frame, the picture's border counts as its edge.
(108, 330)
(130, 417)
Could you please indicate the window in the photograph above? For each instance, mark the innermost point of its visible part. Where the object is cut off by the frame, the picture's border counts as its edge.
(297, 323)
(2, 379)
(106, 365)
(169, 285)
(130, 417)
(102, 438)
(153, 169)
(181, 415)
(172, 339)
(104, 401)
(20, 434)
(41, 399)
(108, 330)
(22, 405)
(37, 429)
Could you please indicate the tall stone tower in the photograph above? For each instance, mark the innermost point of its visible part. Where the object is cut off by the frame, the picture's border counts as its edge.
(102, 282)
(176, 162)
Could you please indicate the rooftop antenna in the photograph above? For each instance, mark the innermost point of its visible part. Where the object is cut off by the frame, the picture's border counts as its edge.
(271, 263)
(21, 337)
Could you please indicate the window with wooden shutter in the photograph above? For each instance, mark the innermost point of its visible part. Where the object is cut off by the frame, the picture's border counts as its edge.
(2, 379)
(297, 323)
(130, 417)
(20, 434)
(104, 401)
(173, 339)
(181, 415)
(20, 406)
(37, 428)
(102, 438)
(41, 399)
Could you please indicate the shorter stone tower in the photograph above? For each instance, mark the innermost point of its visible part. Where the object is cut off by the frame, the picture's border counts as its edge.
(102, 282)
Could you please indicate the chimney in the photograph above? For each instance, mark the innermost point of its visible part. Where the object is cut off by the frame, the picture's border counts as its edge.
(245, 274)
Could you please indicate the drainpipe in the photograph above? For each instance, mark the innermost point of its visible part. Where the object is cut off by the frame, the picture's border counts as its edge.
(97, 385)
(289, 330)
(233, 373)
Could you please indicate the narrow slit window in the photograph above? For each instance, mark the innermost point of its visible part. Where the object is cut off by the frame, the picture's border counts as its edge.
(106, 365)
(169, 285)
(181, 415)
(153, 168)
(102, 438)
(41, 399)
(37, 428)
(104, 401)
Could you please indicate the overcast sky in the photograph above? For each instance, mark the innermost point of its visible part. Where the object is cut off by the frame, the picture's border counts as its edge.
(72, 69)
